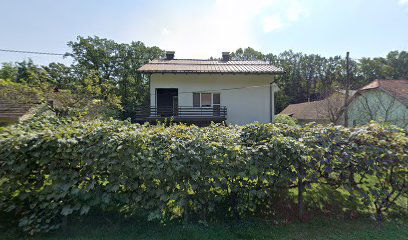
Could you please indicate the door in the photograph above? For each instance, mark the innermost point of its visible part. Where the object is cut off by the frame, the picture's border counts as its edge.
(166, 98)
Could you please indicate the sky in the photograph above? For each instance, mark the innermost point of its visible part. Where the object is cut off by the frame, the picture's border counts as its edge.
(205, 28)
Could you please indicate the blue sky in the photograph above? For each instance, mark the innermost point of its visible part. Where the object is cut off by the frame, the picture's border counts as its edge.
(205, 28)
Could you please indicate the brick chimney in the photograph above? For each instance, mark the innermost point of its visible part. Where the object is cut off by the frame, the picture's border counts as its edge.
(225, 56)
(170, 55)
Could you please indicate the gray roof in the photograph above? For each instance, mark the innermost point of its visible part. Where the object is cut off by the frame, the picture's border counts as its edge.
(316, 110)
(209, 66)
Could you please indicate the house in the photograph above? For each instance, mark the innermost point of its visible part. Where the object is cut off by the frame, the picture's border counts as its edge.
(381, 100)
(12, 112)
(16, 105)
(203, 91)
(323, 111)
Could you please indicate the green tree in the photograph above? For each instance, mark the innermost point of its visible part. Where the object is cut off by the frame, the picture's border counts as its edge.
(32, 75)
(114, 68)
(62, 76)
(8, 71)
(398, 61)
(247, 54)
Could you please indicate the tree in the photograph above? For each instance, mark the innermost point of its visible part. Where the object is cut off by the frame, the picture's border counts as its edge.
(247, 54)
(376, 68)
(331, 107)
(62, 76)
(31, 74)
(398, 61)
(114, 67)
(8, 71)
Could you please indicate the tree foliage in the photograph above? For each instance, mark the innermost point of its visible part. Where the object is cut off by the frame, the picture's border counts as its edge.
(285, 119)
(102, 70)
(114, 66)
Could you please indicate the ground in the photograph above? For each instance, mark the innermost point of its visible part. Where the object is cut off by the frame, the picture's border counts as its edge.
(254, 229)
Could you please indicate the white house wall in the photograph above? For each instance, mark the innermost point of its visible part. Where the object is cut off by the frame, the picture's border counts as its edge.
(247, 105)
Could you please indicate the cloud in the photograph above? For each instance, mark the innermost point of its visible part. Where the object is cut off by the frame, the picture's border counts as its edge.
(403, 2)
(226, 26)
(202, 30)
(165, 32)
(294, 12)
(272, 23)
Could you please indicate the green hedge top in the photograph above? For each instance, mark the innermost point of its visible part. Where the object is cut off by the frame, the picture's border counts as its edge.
(53, 168)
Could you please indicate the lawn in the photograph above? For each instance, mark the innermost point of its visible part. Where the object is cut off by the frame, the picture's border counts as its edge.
(314, 229)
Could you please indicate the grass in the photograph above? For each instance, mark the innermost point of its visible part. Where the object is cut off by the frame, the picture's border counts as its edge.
(322, 228)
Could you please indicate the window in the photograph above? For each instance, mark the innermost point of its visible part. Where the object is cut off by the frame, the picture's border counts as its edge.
(196, 100)
(216, 98)
(206, 99)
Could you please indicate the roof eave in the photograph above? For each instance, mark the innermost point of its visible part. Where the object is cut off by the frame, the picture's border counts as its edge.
(209, 72)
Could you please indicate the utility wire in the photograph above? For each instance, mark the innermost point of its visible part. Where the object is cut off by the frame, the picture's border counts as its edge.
(32, 52)
(208, 90)
(215, 90)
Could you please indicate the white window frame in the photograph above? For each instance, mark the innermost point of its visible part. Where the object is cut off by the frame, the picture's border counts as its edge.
(212, 99)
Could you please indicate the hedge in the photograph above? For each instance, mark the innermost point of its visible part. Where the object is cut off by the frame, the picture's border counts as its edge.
(53, 168)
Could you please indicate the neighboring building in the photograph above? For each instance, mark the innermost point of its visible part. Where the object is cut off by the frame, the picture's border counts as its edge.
(17, 102)
(381, 100)
(323, 111)
(201, 91)
(12, 112)
(307, 112)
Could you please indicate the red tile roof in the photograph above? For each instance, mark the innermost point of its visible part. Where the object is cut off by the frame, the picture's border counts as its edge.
(209, 66)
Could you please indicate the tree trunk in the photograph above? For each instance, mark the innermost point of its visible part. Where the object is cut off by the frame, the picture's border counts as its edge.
(300, 200)
(186, 219)
(234, 205)
(379, 216)
(64, 223)
(346, 97)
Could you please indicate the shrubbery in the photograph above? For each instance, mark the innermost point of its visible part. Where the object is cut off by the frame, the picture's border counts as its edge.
(285, 119)
(54, 168)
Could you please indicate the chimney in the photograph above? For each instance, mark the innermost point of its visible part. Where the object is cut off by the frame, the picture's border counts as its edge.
(225, 56)
(170, 55)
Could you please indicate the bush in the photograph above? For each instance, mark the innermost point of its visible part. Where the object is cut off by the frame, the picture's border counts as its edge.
(53, 168)
(285, 119)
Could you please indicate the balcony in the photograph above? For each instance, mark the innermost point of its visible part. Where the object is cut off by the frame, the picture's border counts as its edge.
(182, 114)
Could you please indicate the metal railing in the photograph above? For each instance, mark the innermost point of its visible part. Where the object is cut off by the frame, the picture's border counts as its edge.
(181, 112)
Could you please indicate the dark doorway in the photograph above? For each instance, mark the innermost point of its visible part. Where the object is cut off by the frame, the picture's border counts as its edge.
(167, 101)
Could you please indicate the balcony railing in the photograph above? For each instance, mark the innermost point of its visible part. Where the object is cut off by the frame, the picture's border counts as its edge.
(215, 113)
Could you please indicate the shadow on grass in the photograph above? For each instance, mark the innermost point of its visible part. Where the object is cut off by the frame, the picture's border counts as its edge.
(112, 227)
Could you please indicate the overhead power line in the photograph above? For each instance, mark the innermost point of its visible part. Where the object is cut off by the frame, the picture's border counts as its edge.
(216, 90)
(32, 52)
